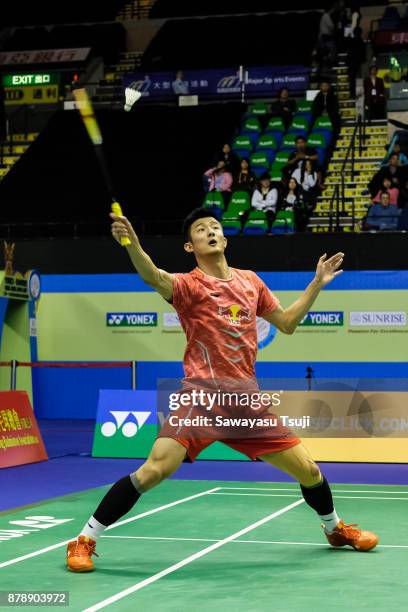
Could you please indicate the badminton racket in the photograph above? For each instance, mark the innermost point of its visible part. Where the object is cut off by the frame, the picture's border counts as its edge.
(86, 111)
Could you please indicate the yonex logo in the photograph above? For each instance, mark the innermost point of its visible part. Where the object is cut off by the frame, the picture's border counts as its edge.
(127, 428)
(131, 319)
(317, 319)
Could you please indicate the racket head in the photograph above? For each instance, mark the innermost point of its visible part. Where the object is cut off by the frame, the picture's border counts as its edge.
(85, 108)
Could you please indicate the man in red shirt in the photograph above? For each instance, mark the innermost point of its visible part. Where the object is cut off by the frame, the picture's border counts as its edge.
(217, 306)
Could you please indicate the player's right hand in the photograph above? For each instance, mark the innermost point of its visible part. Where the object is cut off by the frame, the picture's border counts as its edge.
(122, 228)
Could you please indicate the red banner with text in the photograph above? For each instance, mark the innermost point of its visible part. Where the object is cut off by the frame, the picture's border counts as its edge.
(20, 437)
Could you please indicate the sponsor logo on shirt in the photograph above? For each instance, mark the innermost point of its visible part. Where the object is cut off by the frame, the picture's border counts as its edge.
(378, 319)
(323, 318)
(234, 314)
(131, 319)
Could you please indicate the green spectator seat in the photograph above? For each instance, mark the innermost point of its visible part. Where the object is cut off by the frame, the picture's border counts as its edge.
(231, 227)
(304, 106)
(284, 223)
(267, 144)
(257, 223)
(281, 158)
(257, 109)
(259, 162)
(289, 141)
(239, 203)
(323, 123)
(242, 145)
(317, 140)
(299, 126)
(251, 125)
(275, 125)
(276, 173)
(214, 201)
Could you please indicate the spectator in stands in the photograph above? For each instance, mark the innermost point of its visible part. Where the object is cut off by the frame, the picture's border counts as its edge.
(220, 178)
(301, 154)
(326, 104)
(230, 158)
(355, 17)
(387, 187)
(393, 170)
(397, 150)
(244, 179)
(180, 87)
(383, 216)
(265, 197)
(355, 56)
(293, 198)
(327, 35)
(374, 95)
(284, 107)
(306, 175)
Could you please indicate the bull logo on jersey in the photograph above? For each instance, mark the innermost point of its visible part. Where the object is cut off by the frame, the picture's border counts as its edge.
(234, 314)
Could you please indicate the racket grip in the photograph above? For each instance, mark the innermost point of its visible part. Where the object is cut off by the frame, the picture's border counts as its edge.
(116, 209)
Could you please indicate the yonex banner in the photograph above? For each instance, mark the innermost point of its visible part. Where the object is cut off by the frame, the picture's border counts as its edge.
(20, 438)
(221, 82)
(126, 424)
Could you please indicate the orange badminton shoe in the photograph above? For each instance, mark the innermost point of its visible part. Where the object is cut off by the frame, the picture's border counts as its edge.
(347, 535)
(79, 553)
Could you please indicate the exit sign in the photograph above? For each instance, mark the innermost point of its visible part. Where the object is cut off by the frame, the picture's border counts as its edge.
(28, 80)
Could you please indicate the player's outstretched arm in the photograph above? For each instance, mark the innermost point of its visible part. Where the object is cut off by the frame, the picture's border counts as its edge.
(287, 319)
(160, 280)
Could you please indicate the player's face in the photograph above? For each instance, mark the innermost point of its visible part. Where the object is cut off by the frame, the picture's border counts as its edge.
(207, 237)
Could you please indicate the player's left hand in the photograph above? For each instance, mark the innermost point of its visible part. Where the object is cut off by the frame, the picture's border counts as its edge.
(327, 269)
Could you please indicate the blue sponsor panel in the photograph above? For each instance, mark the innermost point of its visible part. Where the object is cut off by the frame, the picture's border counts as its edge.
(221, 82)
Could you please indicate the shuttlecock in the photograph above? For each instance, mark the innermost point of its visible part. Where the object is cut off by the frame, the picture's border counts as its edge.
(132, 96)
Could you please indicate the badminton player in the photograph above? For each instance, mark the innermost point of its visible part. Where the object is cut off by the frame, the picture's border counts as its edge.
(207, 299)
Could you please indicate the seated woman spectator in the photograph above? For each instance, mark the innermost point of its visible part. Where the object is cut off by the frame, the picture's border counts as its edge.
(374, 95)
(219, 178)
(284, 107)
(383, 216)
(265, 197)
(293, 198)
(230, 158)
(244, 179)
(306, 176)
(387, 187)
(396, 149)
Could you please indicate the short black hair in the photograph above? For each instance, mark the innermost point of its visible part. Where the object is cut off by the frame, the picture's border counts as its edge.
(300, 138)
(197, 213)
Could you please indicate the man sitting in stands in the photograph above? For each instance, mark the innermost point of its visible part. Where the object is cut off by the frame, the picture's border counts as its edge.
(301, 154)
(383, 216)
(283, 107)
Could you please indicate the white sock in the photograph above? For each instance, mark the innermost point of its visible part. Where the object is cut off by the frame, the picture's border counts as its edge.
(93, 529)
(330, 521)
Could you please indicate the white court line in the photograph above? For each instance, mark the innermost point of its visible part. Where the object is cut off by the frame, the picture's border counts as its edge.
(242, 541)
(128, 520)
(289, 495)
(332, 488)
(172, 568)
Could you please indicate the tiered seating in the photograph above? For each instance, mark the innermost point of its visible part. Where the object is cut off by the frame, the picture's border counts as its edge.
(13, 151)
(264, 141)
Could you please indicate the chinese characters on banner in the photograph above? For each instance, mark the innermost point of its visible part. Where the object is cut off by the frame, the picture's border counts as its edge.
(220, 82)
(20, 437)
(31, 95)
